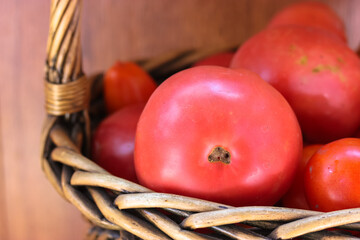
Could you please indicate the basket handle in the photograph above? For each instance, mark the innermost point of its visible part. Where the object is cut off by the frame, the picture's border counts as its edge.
(66, 88)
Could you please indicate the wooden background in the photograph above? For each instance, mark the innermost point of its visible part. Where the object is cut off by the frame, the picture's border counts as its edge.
(111, 30)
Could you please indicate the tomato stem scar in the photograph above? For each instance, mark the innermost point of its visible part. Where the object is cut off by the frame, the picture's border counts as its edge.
(219, 154)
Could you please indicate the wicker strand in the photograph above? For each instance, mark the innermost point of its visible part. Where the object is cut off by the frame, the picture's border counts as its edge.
(63, 40)
(83, 204)
(170, 227)
(59, 136)
(236, 215)
(164, 200)
(75, 160)
(66, 98)
(128, 222)
(239, 233)
(107, 181)
(316, 223)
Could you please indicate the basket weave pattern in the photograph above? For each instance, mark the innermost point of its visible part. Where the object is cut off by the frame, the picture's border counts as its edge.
(120, 209)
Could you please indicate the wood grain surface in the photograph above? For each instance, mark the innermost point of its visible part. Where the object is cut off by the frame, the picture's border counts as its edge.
(113, 29)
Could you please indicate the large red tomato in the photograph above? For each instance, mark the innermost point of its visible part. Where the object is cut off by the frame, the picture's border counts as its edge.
(332, 176)
(114, 140)
(310, 14)
(317, 73)
(126, 83)
(215, 133)
(296, 197)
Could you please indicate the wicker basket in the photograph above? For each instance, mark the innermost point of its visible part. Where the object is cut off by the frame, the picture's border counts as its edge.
(120, 209)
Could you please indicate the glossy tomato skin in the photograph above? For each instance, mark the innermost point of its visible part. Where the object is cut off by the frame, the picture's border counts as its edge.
(295, 196)
(310, 14)
(332, 176)
(316, 73)
(114, 139)
(205, 107)
(126, 83)
(222, 59)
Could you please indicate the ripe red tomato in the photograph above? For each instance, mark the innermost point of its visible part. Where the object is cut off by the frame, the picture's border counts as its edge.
(317, 73)
(222, 59)
(126, 83)
(215, 133)
(310, 14)
(332, 176)
(114, 139)
(295, 197)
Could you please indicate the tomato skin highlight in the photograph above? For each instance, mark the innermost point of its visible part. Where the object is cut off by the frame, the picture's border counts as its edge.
(114, 139)
(296, 197)
(126, 83)
(310, 14)
(203, 107)
(332, 176)
(317, 74)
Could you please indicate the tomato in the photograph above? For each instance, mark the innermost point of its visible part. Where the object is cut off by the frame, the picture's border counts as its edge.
(126, 83)
(222, 59)
(316, 72)
(114, 139)
(218, 134)
(295, 197)
(332, 176)
(310, 14)
(357, 134)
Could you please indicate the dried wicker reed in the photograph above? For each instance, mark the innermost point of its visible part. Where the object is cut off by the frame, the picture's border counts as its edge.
(120, 209)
